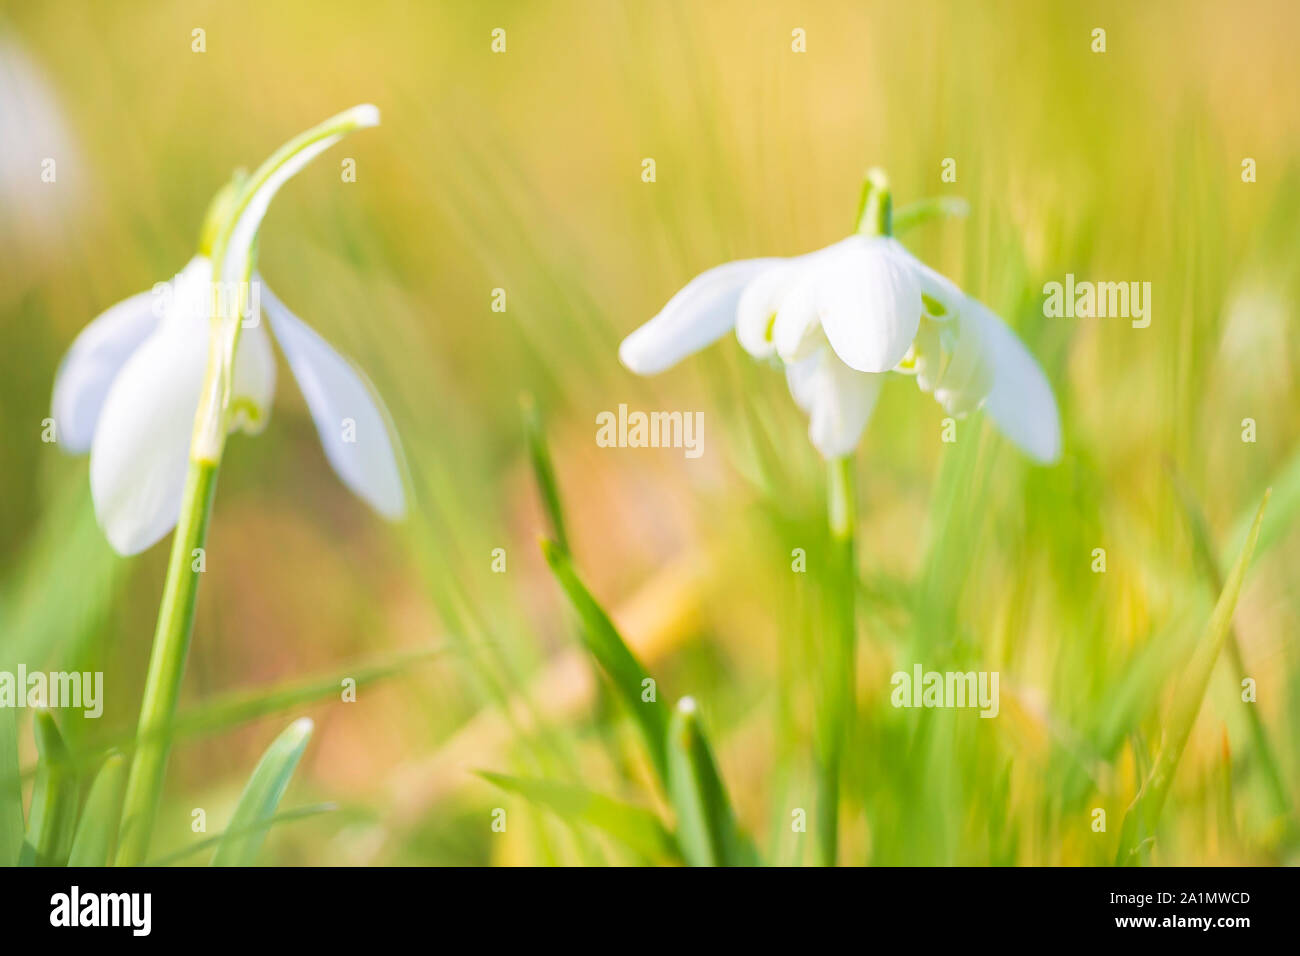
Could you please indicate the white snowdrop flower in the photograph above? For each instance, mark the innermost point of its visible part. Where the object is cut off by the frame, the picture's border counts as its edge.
(42, 173)
(130, 386)
(840, 319)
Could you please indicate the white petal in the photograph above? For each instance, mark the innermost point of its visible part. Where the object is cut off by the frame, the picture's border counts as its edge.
(254, 383)
(697, 316)
(140, 451)
(1021, 401)
(935, 285)
(141, 446)
(90, 365)
(870, 303)
(245, 228)
(757, 308)
(953, 361)
(838, 399)
(354, 427)
(191, 295)
(190, 310)
(797, 330)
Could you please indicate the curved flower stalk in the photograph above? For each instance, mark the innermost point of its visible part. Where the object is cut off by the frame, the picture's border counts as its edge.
(153, 387)
(838, 321)
(840, 318)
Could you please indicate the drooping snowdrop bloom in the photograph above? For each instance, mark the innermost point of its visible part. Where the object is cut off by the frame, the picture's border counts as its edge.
(841, 318)
(40, 164)
(130, 386)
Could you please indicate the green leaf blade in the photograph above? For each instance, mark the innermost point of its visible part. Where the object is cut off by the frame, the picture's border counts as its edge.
(53, 816)
(11, 790)
(636, 828)
(96, 833)
(706, 825)
(615, 659)
(1143, 814)
(257, 805)
(539, 455)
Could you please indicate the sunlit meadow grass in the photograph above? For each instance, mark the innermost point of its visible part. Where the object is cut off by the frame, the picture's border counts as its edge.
(521, 171)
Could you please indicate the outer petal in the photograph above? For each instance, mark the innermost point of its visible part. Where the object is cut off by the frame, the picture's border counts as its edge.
(353, 424)
(1021, 401)
(870, 303)
(141, 446)
(90, 365)
(938, 287)
(838, 399)
(697, 316)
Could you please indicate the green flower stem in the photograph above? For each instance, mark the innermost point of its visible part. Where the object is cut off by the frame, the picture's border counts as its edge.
(839, 707)
(166, 667)
(171, 640)
(840, 657)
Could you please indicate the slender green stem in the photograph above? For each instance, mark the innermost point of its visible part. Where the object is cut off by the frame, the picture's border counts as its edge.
(840, 657)
(839, 705)
(171, 639)
(166, 666)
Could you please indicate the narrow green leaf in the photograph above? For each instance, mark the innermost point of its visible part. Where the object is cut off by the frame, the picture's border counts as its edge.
(1281, 520)
(1143, 814)
(1203, 548)
(53, 815)
(636, 828)
(245, 705)
(257, 805)
(706, 825)
(284, 816)
(96, 835)
(11, 790)
(618, 663)
(923, 210)
(241, 706)
(543, 469)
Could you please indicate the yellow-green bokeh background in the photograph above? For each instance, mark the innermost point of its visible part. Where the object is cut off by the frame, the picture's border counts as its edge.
(522, 171)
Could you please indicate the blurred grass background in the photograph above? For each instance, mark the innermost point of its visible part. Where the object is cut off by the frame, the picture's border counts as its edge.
(521, 171)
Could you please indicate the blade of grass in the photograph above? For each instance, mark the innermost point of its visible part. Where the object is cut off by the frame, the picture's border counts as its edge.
(284, 816)
(252, 819)
(1209, 566)
(11, 790)
(636, 828)
(96, 834)
(53, 814)
(1285, 488)
(619, 665)
(1143, 814)
(242, 706)
(706, 825)
(543, 469)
